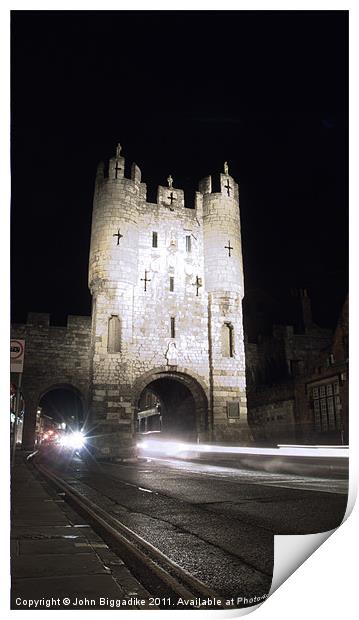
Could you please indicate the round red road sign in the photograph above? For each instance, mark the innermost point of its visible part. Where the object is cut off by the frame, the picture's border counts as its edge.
(16, 349)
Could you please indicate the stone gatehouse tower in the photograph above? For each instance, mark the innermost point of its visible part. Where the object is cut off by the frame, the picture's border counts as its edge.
(167, 288)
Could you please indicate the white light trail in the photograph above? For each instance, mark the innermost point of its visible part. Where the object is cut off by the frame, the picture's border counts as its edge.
(175, 448)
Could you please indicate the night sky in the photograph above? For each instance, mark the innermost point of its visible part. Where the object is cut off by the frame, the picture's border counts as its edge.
(182, 92)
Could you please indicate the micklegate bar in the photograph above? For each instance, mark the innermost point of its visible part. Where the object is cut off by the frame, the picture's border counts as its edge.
(167, 288)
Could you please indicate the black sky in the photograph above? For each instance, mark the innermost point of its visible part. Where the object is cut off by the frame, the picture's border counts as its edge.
(182, 92)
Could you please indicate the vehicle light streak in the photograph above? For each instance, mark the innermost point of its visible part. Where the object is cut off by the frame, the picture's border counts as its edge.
(175, 448)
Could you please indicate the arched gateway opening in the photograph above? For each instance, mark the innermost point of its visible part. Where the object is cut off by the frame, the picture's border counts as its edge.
(172, 404)
(60, 407)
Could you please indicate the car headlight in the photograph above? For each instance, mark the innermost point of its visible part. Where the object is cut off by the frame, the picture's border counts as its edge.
(74, 440)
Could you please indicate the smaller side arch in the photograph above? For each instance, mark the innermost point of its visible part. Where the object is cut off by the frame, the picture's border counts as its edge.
(71, 387)
(32, 400)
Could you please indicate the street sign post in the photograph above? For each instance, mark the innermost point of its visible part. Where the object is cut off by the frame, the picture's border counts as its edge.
(17, 352)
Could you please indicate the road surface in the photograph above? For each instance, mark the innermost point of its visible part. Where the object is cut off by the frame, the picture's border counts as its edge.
(216, 522)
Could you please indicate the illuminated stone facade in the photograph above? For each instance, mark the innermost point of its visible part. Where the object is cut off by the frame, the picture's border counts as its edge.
(167, 288)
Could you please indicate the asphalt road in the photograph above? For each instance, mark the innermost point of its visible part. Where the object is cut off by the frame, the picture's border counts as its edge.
(217, 522)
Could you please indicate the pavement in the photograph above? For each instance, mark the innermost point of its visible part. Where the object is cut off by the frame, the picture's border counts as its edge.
(57, 560)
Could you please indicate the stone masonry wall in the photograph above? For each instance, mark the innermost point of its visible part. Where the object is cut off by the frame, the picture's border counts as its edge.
(54, 356)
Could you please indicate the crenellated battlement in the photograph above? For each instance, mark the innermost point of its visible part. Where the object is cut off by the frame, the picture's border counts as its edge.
(168, 196)
(222, 184)
(113, 179)
(205, 185)
(43, 320)
(125, 227)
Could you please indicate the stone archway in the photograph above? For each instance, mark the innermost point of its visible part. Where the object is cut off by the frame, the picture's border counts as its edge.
(33, 395)
(184, 403)
(65, 396)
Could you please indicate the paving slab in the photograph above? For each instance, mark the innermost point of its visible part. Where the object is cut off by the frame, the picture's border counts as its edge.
(55, 554)
(26, 492)
(32, 513)
(48, 531)
(53, 532)
(59, 546)
(57, 565)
